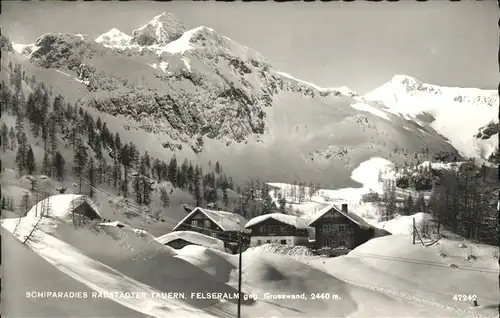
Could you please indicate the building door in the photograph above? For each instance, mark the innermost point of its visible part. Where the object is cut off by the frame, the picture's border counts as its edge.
(330, 241)
(346, 240)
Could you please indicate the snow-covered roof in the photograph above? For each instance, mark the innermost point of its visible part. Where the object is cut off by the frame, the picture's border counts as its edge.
(292, 220)
(61, 205)
(351, 216)
(227, 221)
(192, 237)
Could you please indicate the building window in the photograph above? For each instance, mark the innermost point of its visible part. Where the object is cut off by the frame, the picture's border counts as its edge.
(207, 223)
(283, 242)
(194, 223)
(214, 234)
(342, 243)
(275, 228)
(341, 228)
(327, 228)
(259, 242)
(264, 228)
(268, 241)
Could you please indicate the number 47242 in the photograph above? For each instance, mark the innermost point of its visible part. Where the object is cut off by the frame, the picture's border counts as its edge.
(461, 297)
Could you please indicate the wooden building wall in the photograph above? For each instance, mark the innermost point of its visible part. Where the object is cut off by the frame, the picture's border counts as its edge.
(206, 226)
(272, 227)
(335, 230)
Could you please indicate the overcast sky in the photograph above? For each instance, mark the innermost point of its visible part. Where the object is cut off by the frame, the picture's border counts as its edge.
(358, 44)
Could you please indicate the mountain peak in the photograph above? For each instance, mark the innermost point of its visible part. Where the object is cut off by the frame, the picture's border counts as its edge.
(405, 80)
(164, 15)
(114, 37)
(162, 29)
(188, 40)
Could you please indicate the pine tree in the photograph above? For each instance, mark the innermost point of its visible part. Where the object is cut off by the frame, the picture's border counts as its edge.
(117, 172)
(409, 204)
(98, 124)
(19, 127)
(267, 201)
(80, 158)
(12, 137)
(311, 190)
(212, 195)
(30, 161)
(147, 164)
(392, 204)
(91, 176)
(21, 152)
(46, 164)
(137, 188)
(196, 185)
(25, 203)
(225, 197)
(52, 138)
(11, 204)
(34, 184)
(4, 134)
(282, 203)
(144, 172)
(165, 199)
(58, 164)
(302, 192)
(218, 168)
(124, 186)
(117, 143)
(101, 171)
(57, 107)
(157, 169)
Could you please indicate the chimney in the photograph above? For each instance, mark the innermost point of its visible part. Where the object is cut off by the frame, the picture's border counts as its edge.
(344, 207)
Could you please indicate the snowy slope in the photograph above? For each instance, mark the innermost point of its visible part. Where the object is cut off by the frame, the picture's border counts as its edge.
(266, 274)
(457, 113)
(25, 267)
(99, 277)
(394, 266)
(403, 225)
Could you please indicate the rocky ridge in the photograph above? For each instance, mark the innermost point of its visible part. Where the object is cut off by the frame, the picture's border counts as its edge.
(207, 85)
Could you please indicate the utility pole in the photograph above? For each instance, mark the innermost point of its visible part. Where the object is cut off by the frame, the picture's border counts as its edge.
(240, 247)
(36, 206)
(413, 230)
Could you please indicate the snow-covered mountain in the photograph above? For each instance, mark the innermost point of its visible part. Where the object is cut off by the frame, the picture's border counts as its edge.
(198, 93)
(456, 113)
(162, 29)
(114, 38)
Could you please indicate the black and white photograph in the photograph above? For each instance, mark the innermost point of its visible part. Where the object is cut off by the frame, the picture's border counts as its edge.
(250, 159)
